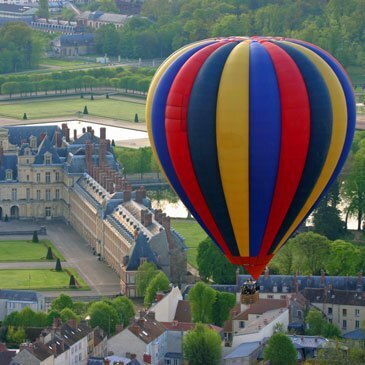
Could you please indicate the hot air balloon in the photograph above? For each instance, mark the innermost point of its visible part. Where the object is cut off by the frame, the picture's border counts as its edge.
(250, 133)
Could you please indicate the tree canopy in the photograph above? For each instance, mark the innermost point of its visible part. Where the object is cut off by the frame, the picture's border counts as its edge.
(280, 350)
(202, 346)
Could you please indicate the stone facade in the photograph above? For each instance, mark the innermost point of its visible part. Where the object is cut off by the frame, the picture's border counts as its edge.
(45, 174)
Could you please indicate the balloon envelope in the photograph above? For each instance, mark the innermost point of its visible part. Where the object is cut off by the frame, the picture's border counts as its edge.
(250, 133)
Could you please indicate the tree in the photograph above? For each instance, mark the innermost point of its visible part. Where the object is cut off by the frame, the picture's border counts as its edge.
(202, 345)
(202, 298)
(313, 250)
(72, 283)
(315, 322)
(224, 302)
(280, 350)
(58, 265)
(49, 254)
(136, 118)
(212, 263)
(67, 314)
(85, 110)
(125, 309)
(43, 10)
(159, 283)
(104, 315)
(344, 259)
(353, 189)
(145, 273)
(35, 237)
(51, 315)
(15, 335)
(63, 301)
(25, 116)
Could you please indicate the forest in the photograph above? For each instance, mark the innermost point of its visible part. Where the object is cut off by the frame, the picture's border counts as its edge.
(335, 25)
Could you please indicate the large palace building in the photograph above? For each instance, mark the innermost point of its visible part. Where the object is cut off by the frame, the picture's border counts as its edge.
(45, 174)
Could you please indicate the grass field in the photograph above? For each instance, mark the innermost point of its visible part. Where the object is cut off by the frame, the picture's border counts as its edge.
(38, 279)
(193, 234)
(67, 63)
(19, 251)
(102, 107)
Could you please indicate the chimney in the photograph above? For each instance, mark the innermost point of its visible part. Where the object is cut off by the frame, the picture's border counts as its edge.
(323, 278)
(148, 218)
(127, 194)
(56, 323)
(88, 129)
(26, 346)
(166, 223)
(159, 296)
(83, 130)
(157, 215)
(266, 273)
(103, 133)
(143, 213)
(75, 134)
(102, 153)
(67, 134)
(296, 286)
(63, 127)
(72, 323)
(41, 138)
(92, 133)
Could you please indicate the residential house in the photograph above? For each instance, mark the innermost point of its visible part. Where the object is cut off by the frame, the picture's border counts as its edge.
(6, 355)
(250, 323)
(72, 45)
(356, 336)
(344, 308)
(33, 354)
(97, 19)
(307, 346)
(100, 343)
(166, 307)
(16, 300)
(145, 337)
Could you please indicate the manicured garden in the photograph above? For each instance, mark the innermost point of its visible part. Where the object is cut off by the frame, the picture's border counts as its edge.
(193, 234)
(39, 279)
(20, 251)
(61, 107)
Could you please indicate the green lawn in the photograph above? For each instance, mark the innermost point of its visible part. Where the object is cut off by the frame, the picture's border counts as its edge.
(18, 251)
(66, 63)
(193, 234)
(60, 107)
(38, 279)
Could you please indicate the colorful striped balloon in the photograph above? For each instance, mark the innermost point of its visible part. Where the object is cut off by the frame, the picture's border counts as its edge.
(250, 132)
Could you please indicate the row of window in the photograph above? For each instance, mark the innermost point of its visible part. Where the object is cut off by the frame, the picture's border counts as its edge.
(47, 177)
(344, 312)
(48, 195)
(344, 324)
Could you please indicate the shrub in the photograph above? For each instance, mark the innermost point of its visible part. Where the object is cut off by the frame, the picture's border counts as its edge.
(58, 265)
(35, 237)
(49, 254)
(85, 110)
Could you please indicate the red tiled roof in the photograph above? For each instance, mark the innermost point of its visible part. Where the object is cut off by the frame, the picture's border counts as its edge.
(183, 312)
(262, 306)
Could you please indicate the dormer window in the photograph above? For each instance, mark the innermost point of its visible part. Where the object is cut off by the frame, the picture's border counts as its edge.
(47, 159)
(27, 151)
(33, 141)
(9, 174)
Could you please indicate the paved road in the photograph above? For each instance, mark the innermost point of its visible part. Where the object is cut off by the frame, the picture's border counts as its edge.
(78, 254)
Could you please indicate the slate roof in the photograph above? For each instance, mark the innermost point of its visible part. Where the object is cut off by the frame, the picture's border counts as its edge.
(140, 249)
(344, 297)
(308, 342)
(244, 350)
(19, 9)
(87, 136)
(70, 335)
(6, 356)
(8, 162)
(260, 307)
(77, 40)
(18, 134)
(46, 146)
(358, 335)
(19, 295)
